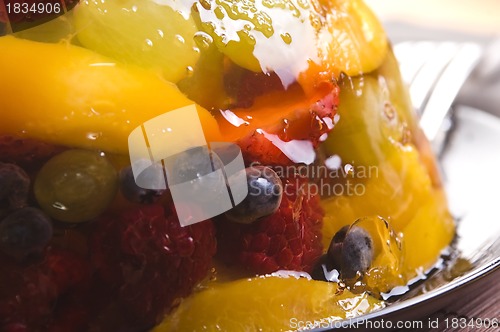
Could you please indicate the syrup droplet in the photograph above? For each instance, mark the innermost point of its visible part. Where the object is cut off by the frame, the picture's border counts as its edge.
(286, 38)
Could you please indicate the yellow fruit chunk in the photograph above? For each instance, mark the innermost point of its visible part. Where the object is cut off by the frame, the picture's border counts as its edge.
(393, 190)
(375, 116)
(377, 134)
(352, 41)
(401, 192)
(267, 304)
(146, 33)
(366, 132)
(428, 233)
(385, 271)
(71, 96)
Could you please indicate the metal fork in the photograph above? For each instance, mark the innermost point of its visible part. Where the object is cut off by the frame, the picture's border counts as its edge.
(435, 72)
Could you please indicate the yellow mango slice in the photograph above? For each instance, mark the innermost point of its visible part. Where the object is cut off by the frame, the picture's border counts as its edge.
(428, 233)
(395, 190)
(267, 304)
(354, 41)
(351, 41)
(67, 95)
(146, 33)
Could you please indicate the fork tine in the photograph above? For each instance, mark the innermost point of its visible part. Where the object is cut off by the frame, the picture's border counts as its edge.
(447, 87)
(435, 72)
(412, 56)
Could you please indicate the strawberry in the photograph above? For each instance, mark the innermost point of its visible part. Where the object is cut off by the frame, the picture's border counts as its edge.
(295, 137)
(150, 261)
(289, 239)
(28, 153)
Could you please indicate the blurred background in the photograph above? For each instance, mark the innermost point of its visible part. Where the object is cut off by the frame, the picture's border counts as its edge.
(475, 21)
(460, 18)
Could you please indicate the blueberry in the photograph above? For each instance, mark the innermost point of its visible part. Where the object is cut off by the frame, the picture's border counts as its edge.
(194, 164)
(318, 273)
(200, 172)
(134, 193)
(14, 185)
(24, 232)
(351, 251)
(265, 191)
(335, 249)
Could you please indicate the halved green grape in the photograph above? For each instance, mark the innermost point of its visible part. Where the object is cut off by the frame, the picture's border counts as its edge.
(390, 79)
(390, 76)
(369, 128)
(142, 32)
(76, 186)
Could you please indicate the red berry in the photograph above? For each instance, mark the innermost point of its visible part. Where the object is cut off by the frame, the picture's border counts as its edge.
(289, 239)
(295, 138)
(15, 327)
(30, 293)
(27, 296)
(150, 260)
(72, 317)
(67, 269)
(28, 153)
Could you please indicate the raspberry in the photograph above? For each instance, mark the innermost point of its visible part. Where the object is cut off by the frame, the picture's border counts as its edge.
(67, 269)
(295, 139)
(28, 153)
(289, 239)
(29, 293)
(149, 260)
(72, 317)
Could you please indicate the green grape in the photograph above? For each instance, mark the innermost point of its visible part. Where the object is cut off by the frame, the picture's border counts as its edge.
(76, 186)
(140, 32)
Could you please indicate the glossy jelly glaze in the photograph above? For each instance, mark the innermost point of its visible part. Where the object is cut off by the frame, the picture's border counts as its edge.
(310, 92)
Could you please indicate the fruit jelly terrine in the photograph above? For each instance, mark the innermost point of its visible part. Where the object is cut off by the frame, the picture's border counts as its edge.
(335, 200)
